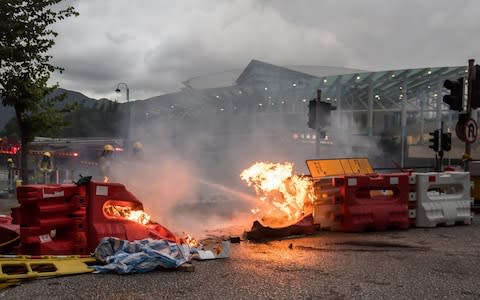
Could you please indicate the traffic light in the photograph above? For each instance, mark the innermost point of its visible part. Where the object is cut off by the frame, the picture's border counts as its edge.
(325, 113)
(312, 114)
(446, 141)
(455, 99)
(434, 140)
(475, 98)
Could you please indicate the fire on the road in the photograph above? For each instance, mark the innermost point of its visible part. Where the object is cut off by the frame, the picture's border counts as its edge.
(286, 197)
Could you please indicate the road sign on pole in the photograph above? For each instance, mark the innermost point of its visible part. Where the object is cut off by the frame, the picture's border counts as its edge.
(470, 130)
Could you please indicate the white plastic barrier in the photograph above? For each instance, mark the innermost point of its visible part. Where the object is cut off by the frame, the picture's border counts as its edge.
(442, 199)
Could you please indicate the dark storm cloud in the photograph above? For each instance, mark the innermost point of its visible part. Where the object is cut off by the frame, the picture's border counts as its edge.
(156, 45)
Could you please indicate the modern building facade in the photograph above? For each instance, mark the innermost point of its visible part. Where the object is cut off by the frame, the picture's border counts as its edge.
(260, 113)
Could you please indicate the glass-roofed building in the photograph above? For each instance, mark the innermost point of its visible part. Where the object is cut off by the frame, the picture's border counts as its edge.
(261, 112)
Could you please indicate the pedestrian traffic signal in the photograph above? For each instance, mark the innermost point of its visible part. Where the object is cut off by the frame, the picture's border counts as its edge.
(312, 114)
(446, 141)
(434, 140)
(475, 98)
(455, 99)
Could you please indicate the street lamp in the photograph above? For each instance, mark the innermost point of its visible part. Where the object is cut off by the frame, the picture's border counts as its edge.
(127, 135)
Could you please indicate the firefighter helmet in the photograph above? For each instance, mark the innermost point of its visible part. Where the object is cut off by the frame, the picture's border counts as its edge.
(137, 146)
(10, 160)
(47, 154)
(108, 148)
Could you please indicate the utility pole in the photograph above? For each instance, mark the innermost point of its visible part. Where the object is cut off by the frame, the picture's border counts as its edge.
(319, 118)
(317, 124)
(439, 165)
(469, 108)
(126, 142)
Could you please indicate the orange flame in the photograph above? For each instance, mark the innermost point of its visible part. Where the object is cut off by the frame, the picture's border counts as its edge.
(191, 241)
(286, 197)
(186, 238)
(138, 216)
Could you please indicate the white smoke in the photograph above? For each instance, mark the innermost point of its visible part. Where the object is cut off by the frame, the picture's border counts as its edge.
(189, 178)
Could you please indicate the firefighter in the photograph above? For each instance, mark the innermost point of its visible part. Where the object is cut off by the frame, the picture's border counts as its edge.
(105, 162)
(11, 174)
(137, 151)
(46, 167)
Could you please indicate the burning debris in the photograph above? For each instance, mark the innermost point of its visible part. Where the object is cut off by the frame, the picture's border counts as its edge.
(188, 239)
(118, 211)
(286, 197)
(210, 248)
(261, 233)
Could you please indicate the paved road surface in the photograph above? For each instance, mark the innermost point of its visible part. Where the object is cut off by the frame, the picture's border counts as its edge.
(437, 263)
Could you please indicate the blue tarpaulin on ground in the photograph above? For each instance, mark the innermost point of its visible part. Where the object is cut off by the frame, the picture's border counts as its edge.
(124, 257)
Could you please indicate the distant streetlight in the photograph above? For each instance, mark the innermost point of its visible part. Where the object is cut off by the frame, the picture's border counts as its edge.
(127, 135)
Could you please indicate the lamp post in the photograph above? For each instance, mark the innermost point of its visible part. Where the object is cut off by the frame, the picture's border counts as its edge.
(129, 113)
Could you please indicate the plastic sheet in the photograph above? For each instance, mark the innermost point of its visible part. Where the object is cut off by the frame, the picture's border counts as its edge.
(124, 257)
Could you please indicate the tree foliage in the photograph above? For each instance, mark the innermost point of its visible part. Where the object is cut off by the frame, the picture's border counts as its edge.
(25, 68)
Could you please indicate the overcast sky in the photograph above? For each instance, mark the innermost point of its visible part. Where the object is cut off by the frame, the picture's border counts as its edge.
(155, 45)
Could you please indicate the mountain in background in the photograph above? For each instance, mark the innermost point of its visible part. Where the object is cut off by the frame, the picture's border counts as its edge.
(7, 112)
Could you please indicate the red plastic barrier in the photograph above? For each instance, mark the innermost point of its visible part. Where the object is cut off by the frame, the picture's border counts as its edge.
(36, 192)
(100, 225)
(375, 203)
(70, 219)
(59, 239)
(40, 204)
(9, 234)
(32, 216)
(52, 219)
(55, 247)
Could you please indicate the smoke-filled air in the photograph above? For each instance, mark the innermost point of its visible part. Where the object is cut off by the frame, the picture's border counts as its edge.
(192, 178)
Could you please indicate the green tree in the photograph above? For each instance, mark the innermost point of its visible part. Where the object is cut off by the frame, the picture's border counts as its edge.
(25, 68)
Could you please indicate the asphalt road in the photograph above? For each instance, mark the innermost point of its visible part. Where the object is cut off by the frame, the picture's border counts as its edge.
(436, 263)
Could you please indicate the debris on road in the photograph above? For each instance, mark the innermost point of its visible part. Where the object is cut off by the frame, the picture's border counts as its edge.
(303, 227)
(124, 257)
(212, 248)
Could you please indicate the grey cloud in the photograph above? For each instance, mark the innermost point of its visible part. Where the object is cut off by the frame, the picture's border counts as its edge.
(119, 38)
(391, 34)
(156, 45)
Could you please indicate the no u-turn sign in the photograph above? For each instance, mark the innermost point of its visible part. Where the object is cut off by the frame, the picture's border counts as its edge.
(467, 130)
(470, 130)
